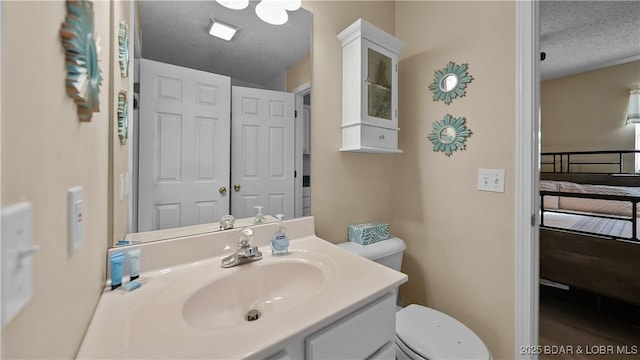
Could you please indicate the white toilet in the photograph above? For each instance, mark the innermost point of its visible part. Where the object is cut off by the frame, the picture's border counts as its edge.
(421, 332)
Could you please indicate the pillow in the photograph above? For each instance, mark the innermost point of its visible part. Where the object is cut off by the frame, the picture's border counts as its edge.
(611, 207)
(550, 202)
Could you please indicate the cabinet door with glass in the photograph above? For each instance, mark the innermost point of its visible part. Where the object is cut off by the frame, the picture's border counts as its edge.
(380, 80)
(369, 89)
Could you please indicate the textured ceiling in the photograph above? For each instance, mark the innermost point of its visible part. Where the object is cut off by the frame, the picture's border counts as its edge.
(576, 36)
(175, 32)
(580, 36)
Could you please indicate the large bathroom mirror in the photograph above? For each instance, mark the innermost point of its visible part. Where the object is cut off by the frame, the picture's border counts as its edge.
(192, 69)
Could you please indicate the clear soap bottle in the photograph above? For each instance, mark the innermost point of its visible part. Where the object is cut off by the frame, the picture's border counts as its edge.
(259, 219)
(280, 239)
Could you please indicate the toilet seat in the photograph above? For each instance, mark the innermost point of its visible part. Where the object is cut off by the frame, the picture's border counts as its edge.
(431, 334)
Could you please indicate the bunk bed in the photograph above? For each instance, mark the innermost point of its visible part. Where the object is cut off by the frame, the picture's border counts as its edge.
(589, 231)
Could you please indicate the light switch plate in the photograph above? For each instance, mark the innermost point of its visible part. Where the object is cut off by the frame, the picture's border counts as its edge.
(76, 218)
(17, 259)
(491, 180)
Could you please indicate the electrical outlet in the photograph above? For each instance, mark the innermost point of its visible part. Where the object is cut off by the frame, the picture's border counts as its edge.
(491, 180)
(76, 218)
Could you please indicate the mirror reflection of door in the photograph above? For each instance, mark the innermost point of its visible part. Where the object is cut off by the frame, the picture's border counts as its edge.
(184, 146)
(262, 139)
(184, 43)
(184, 142)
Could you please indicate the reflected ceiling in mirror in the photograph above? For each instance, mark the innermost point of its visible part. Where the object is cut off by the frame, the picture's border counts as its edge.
(176, 32)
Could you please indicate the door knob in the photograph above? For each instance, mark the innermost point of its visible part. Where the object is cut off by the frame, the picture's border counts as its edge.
(236, 187)
(222, 190)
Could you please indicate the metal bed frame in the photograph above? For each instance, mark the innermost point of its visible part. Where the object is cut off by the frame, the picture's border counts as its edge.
(634, 200)
(605, 265)
(562, 161)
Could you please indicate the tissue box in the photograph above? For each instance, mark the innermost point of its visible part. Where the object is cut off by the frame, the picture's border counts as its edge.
(368, 233)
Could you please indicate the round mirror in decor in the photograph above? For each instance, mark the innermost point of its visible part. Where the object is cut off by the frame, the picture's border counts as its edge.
(123, 117)
(450, 82)
(449, 134)
(82, 47)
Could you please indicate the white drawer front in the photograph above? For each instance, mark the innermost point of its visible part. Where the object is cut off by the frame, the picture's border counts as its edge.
(379, 137)
(358, 336)
(306, 202)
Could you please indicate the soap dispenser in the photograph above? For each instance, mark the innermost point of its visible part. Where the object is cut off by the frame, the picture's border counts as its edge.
(280, 239)
(259, 219)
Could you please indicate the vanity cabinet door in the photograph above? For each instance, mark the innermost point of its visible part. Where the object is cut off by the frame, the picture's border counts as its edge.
(280, 355)
(357, 336)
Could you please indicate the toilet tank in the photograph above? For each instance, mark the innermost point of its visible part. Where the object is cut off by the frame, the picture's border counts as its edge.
(386, 252)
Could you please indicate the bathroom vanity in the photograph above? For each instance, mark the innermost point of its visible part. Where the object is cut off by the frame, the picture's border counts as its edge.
(317, 302)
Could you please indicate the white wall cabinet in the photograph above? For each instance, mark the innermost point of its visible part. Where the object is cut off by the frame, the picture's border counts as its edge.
(369, 89)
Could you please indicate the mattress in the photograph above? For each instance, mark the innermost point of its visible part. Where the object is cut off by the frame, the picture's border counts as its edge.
(601, 226)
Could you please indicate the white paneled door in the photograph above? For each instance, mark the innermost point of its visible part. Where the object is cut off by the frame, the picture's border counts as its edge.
(262, 141)
(184, 146)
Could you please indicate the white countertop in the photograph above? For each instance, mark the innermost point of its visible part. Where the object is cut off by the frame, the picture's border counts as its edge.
(148, 322)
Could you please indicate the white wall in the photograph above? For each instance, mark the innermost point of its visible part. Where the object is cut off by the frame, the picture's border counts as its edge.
(460, 255)
(587, 111)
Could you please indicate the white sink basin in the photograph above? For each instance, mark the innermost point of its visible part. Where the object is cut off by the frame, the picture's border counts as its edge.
(269, 287)
(195, 309)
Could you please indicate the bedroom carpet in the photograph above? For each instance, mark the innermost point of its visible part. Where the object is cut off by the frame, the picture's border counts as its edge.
(564, 324)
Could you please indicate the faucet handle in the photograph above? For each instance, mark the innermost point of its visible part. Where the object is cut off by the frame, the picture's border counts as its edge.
(246, 235)
(252, 251)
(226, 222)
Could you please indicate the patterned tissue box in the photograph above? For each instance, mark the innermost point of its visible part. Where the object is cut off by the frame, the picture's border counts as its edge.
(368, 233)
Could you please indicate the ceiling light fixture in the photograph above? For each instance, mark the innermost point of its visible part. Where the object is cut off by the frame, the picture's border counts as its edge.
(234, 4)
(222, 30)
(633, 112)
(272, 12)
(291, 5)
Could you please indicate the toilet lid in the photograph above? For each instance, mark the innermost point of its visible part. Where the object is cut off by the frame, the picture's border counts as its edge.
(435, 335)
(377, 250)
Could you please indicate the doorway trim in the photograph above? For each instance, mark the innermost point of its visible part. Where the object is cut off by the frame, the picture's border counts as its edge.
(299, 92)
(526, 301)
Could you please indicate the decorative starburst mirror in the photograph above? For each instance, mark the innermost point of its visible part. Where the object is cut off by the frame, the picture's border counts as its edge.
(450, 82)
(449, 134)
(123, 117)
(123, 49)
(82, 47)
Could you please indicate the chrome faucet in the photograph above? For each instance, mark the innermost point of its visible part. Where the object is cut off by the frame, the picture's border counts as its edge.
(245, 253)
